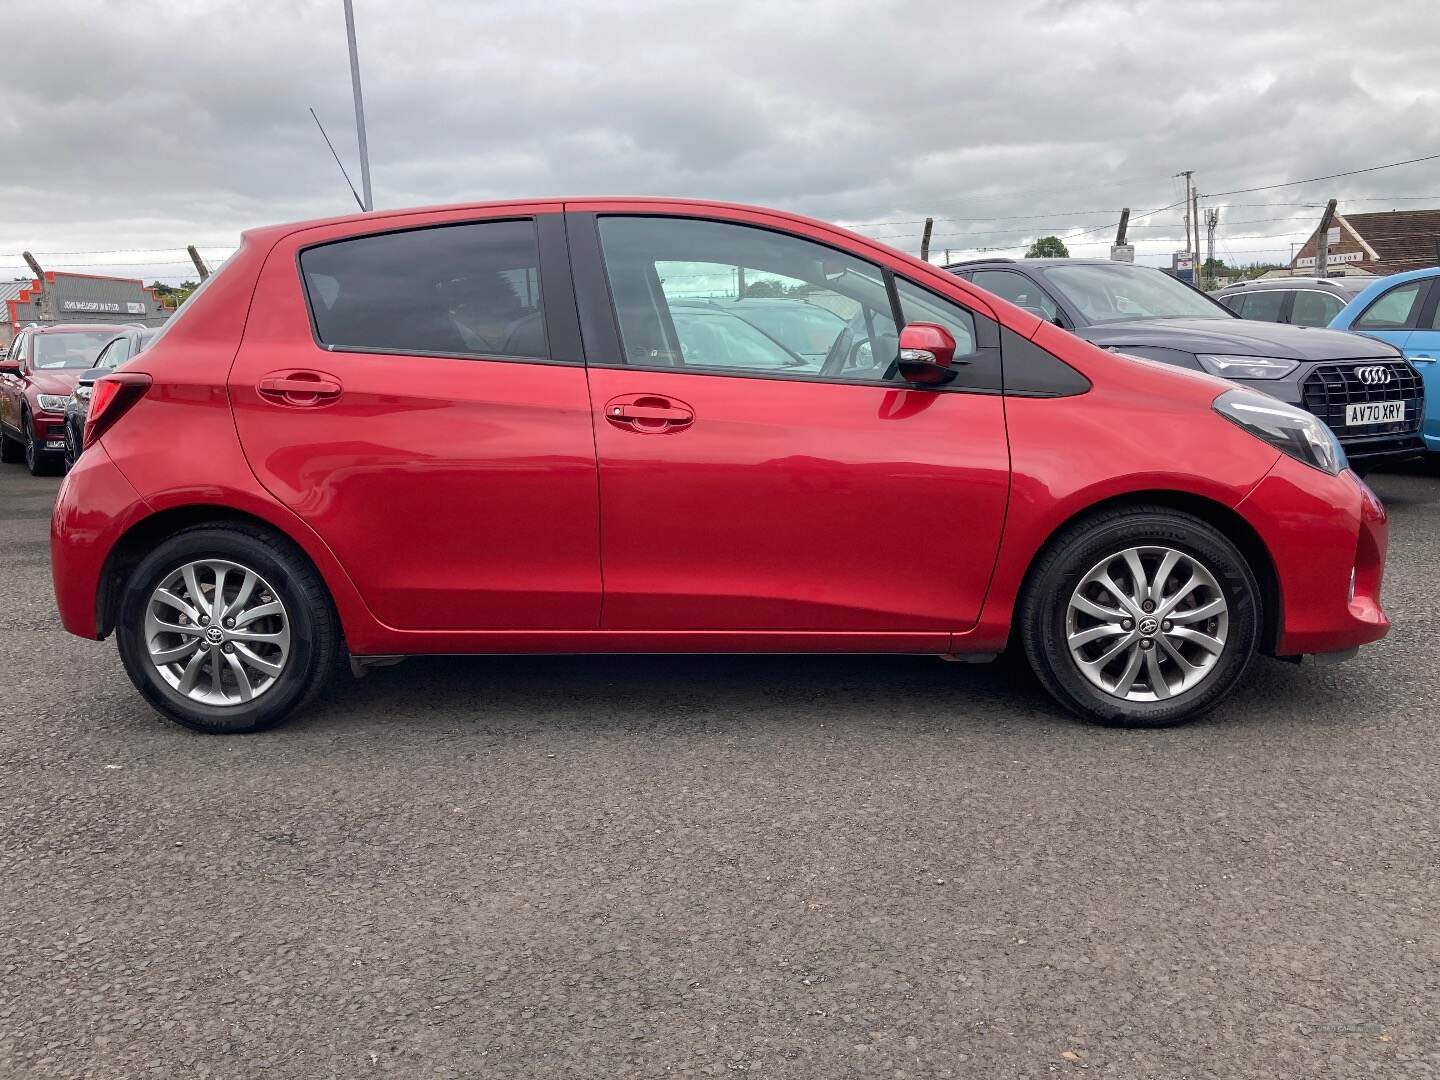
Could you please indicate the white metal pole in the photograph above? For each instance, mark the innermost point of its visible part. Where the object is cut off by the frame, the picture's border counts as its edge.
(359, 107)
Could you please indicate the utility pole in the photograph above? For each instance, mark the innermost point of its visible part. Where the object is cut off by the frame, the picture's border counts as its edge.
(925, 240)
(1212, 219)
(46, 304)
(200, 267)
(1322, 242)
(1195, 217)
(1187, 174)
(359, 107)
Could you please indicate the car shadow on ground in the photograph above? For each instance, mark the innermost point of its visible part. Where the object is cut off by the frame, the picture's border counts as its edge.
(685, 694)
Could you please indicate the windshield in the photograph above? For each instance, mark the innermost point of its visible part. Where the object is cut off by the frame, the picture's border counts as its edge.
(75, 350)
(1119, 292)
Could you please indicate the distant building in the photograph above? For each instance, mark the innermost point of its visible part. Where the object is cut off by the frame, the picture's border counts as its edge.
(1376, 244)
(61, 297)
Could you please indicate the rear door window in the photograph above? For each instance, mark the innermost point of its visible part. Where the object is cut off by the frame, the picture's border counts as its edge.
(470, 290)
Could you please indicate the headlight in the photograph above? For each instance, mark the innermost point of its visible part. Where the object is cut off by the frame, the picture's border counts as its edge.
(1247, 367)
(1290, 430)
(53, 402)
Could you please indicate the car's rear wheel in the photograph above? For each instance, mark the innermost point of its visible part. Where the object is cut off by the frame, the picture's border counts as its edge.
(227, 629)
(1141, 617)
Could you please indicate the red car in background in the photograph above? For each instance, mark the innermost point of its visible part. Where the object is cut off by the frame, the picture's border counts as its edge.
(37, 376)
(484, 429)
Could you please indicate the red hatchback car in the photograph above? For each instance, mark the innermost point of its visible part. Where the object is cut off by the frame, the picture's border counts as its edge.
(498, 429)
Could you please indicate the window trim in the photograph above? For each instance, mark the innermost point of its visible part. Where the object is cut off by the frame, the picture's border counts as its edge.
(1410, 323)
(560, 275)
(592, 286)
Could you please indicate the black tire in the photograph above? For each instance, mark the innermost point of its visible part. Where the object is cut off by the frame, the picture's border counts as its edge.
(37, 459)
(1071, 556)
(71, 450)
(315, 639)
(12, 451)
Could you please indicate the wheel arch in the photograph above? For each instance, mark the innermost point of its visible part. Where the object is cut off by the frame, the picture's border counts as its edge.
(1227, 521)
(143, 535)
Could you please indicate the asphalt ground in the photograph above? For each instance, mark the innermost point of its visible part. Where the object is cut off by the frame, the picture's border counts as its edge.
(788, 867)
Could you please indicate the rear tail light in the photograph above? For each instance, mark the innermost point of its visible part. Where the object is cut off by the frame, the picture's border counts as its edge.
(111, 399)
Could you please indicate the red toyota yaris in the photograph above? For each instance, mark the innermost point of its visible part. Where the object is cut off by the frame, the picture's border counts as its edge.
(621, 425)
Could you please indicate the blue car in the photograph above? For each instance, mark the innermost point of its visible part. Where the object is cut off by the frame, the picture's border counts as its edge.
(1402, 309)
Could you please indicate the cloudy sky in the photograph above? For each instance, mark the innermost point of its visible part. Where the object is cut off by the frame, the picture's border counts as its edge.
(128, 130)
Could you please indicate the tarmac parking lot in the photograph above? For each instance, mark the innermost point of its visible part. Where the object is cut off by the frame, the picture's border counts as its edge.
(787, 867)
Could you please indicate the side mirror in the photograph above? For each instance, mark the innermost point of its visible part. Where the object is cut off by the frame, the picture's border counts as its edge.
(9, 366)
(927, 352)
(87, 378)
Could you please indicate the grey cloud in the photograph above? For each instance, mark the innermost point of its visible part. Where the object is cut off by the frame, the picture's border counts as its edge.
(127, 126)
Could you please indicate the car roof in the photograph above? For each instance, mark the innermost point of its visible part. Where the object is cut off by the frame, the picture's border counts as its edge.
(79, 328)
(1034, 262)
(1346, 284)
(378, 217)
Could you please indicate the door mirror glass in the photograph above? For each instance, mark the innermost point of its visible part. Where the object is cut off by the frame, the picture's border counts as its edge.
(927, 353)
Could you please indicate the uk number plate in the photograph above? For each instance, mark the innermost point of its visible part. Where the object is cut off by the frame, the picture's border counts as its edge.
(1374, 412)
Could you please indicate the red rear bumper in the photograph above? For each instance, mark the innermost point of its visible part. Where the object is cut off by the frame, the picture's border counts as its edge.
(95, 506)
(1327, 536)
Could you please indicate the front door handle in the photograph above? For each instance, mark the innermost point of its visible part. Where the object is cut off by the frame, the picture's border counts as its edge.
(299, 387)
(650, 413)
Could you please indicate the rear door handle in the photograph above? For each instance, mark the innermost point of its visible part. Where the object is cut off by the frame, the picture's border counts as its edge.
(650, 413)
(299, 387)
(1421, 358)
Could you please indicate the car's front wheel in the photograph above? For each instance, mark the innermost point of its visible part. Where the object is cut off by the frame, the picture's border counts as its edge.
(227, 629)
(1141, 617)
(12, 451)
(72, 451)
(37, 460)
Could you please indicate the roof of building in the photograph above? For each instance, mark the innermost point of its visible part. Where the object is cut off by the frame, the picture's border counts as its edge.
(1403, 239)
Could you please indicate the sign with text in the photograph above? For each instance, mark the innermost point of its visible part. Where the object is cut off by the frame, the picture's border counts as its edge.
(1333, 257)
(130, 307)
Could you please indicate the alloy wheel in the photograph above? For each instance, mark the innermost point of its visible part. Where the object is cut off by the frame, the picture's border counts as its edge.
(31, 451)
(1147, 623)
(217, 632)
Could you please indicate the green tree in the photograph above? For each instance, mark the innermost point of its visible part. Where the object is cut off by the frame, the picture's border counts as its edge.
(1048, 247)
(174, 295)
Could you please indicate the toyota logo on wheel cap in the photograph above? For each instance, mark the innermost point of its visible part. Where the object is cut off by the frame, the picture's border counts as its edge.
(1373, 375)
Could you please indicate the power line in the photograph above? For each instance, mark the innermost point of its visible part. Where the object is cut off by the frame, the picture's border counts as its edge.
(1331, 176)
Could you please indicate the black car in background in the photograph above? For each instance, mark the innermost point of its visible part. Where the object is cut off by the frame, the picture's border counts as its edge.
(1298, 301)
(129, 341)
(1369, 394)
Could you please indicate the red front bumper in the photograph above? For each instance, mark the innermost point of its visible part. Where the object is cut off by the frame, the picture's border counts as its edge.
(1327, 537)
(49, 431)
(95, 506)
